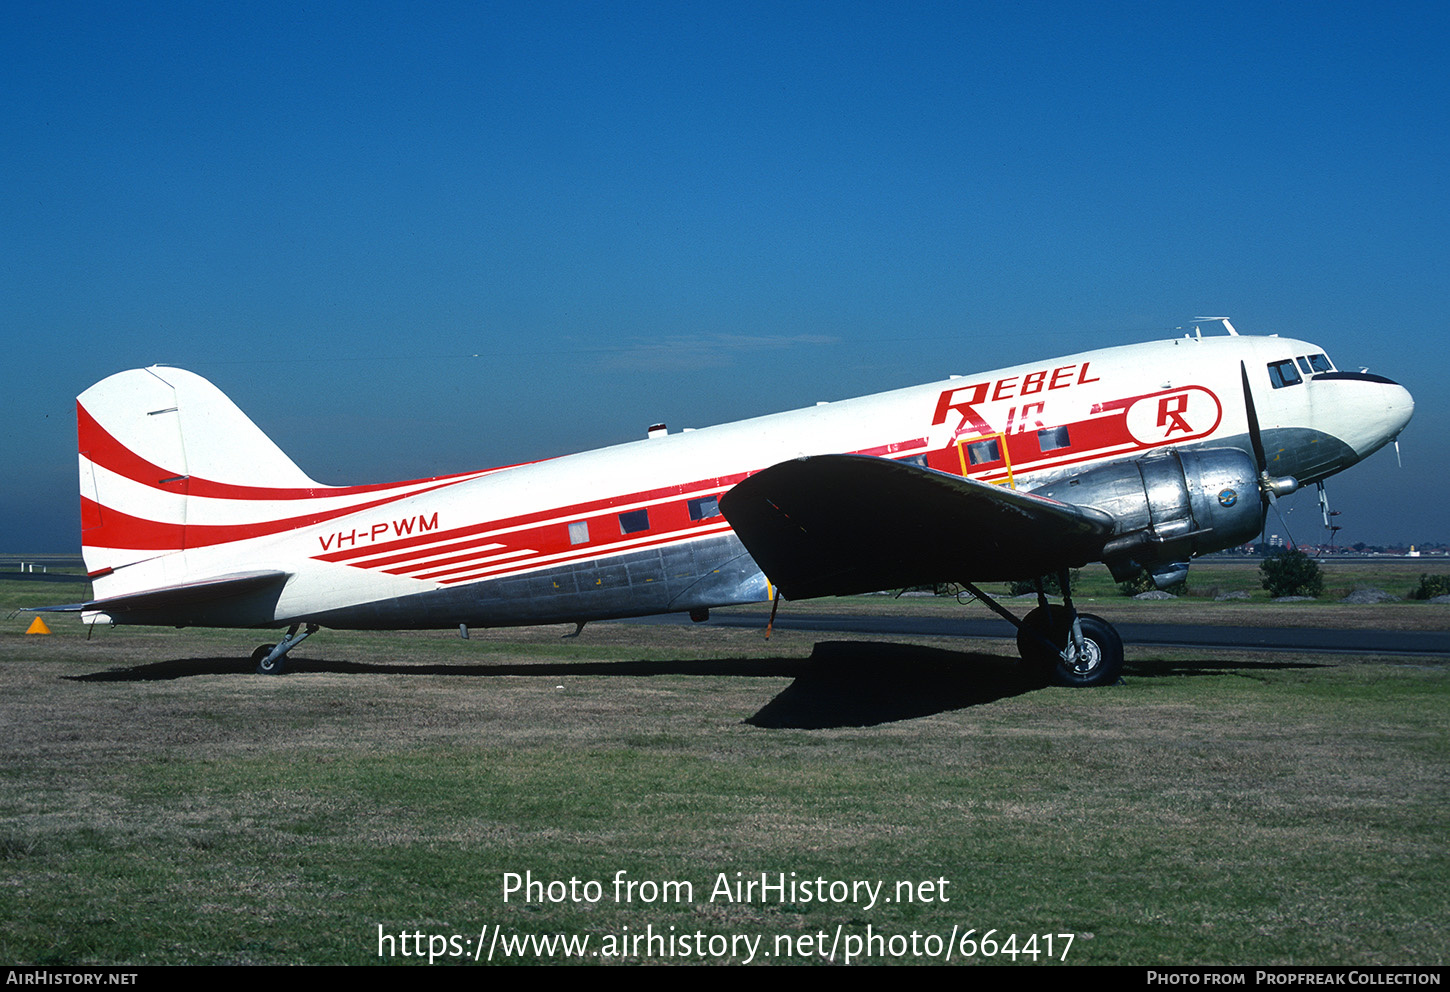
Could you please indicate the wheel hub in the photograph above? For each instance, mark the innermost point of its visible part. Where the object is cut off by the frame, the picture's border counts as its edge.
(1084, 661)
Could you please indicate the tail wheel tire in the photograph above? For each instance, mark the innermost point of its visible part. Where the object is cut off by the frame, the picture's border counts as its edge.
(1100, 662)
(259, 658)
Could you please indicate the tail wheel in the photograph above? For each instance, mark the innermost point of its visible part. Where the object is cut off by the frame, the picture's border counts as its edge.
(275, 667)
(1100, 662)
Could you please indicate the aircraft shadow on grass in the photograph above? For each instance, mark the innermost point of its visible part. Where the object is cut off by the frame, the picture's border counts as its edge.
(842, 683)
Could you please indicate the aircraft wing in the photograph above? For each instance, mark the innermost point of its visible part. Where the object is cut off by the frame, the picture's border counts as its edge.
(839, 524)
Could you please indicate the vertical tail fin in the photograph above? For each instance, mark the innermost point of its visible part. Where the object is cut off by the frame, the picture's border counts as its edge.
(153, 442)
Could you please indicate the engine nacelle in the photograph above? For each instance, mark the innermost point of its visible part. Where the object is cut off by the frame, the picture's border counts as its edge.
(1169, 505)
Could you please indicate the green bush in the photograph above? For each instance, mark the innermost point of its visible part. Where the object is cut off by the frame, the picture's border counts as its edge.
(1431, 586)
(1292, 573)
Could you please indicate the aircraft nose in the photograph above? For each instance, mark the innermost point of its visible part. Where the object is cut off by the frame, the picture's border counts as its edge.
(1400, 405)
(1365, 410)
(1387, 409)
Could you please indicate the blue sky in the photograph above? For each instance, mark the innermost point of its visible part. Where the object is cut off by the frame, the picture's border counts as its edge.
(411, 239)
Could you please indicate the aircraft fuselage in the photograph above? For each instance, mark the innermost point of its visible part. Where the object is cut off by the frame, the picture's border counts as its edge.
(636, 529)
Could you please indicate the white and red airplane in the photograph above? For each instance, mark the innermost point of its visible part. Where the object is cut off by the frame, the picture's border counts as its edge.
(1140, 456)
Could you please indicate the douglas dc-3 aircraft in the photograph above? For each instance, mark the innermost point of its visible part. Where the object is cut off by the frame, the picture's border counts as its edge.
(1140, 456)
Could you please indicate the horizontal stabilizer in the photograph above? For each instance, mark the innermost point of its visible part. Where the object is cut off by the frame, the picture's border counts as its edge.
(833, 525)
(187, 594)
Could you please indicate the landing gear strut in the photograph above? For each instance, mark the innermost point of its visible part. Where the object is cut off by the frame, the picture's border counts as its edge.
(271, 659)
(1061, 645)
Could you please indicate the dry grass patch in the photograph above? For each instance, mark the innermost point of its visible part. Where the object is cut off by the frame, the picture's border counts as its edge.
(160, 803)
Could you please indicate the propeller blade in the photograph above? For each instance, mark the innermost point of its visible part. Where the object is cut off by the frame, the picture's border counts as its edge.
(1254, 438)
(1269, 488)
(1283, 522)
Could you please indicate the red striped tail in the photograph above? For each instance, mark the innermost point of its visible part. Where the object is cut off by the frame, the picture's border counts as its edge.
(169, 464)
(163, 453)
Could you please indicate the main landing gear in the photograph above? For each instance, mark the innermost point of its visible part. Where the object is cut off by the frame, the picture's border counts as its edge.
(1061, 645)
(271, 659)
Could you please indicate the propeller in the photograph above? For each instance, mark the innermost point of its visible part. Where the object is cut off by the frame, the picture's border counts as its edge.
(1270, 487)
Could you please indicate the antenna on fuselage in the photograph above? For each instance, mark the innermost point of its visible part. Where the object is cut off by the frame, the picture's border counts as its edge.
(1224, 321)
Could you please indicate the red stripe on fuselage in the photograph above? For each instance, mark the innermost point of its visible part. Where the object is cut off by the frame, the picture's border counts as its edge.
(556, 515)
(544, 534)
(546, 559)
(122, 530)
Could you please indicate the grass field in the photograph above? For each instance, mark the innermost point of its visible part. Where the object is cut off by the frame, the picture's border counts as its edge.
(160, 804)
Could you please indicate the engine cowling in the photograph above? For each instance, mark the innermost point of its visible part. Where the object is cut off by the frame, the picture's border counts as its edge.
(1170, 505)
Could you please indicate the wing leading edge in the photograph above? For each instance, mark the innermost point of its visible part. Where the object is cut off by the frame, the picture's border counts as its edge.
(831, 525)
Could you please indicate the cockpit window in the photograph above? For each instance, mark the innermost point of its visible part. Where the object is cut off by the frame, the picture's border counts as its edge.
(1304, 366)
(1283, 374)
(1321, 363)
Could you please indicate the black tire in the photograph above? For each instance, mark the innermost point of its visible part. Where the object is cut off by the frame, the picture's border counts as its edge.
(1049, 622)
(1102, 658)
(259, 658)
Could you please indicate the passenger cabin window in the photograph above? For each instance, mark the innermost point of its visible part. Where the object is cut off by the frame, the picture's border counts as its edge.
(634, 521)
(704, 508)
(982, 452)
(1283, 374)
(1052, 439)
(579, 532)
